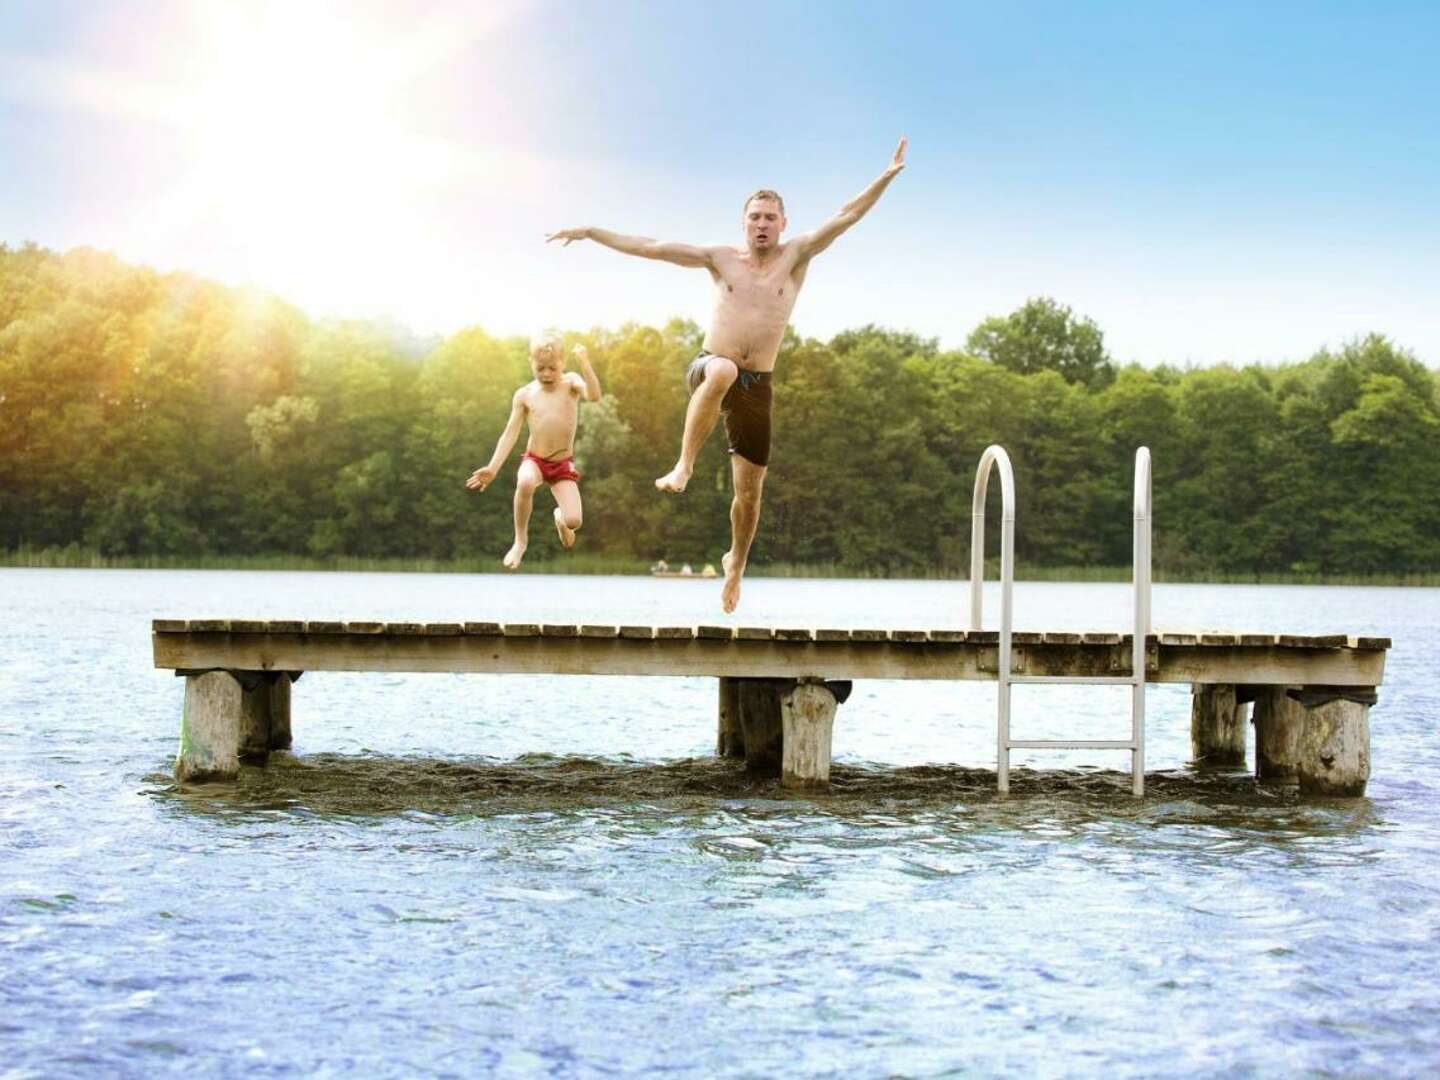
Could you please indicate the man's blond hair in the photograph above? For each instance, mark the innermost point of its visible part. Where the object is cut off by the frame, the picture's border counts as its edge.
(765, 193)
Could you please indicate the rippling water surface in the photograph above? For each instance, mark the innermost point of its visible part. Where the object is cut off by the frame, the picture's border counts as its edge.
(462, 875)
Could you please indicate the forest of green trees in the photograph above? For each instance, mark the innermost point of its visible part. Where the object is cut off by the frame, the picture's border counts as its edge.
(160, 414)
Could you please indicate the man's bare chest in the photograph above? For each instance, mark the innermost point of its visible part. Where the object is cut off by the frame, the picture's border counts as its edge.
(771, 288)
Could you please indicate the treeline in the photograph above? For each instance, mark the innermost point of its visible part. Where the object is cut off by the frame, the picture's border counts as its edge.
(149, 414)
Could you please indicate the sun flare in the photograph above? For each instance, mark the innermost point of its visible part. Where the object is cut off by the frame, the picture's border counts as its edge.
(307, 147)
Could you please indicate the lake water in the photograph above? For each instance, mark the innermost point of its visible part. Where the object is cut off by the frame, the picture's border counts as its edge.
(476, 875)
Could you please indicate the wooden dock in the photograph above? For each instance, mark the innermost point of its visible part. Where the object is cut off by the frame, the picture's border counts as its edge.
(779, 686)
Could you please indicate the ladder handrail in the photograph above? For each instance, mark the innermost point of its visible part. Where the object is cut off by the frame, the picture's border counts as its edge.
(1140, 574)
(995, 457)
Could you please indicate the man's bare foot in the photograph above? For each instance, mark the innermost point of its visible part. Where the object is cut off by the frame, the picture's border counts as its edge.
(674, 480)
(730, 591)
(567, 534)
(513, 556)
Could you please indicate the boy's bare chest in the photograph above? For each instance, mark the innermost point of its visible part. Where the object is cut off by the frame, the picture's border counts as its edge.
(556, 406)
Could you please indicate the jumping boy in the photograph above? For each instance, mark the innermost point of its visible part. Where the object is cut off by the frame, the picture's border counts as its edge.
(550, 403)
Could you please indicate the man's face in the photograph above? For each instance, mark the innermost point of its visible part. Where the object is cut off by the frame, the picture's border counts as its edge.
(763, 223)
(546, 365)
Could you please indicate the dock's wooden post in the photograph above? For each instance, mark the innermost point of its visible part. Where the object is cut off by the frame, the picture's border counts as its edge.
(760, 718)
(1334, 749)
(730, 738)
(808, 719)
(1217, 725)
(254, 718)
(280, 736)
(1278, 720)
(210, 728)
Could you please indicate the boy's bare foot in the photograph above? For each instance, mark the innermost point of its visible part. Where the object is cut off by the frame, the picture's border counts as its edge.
(567, 534)
(674, 480)
(730, 591)
(513, 556)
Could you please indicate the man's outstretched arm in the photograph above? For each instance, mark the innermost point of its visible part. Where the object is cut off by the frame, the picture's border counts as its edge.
(811, 244)
(643, 246)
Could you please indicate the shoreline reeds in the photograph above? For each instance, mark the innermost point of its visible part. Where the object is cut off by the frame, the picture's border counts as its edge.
(73, 556)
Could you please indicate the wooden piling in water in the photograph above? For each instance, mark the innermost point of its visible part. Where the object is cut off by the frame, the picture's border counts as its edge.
(210, 738)
(1278, 720)
(1334, 749)
(1217, 725)
(280, 736)
(763, 730)
(730, 736)
(808, 721)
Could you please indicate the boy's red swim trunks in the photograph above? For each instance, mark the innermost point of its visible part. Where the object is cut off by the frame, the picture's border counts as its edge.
(552, 472)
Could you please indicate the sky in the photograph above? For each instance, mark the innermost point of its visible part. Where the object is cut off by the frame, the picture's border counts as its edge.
(1216, 182)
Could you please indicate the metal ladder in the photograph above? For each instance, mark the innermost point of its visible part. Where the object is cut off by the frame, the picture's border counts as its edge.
(995, 457)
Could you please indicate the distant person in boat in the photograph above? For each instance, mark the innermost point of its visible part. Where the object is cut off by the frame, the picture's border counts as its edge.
(550, 404)
(755, 291)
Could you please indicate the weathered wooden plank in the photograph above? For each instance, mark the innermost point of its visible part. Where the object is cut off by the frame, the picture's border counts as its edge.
(868, 635)
(1099, 638)
(1058, 637)
(1209, 638)
(1179, 639)
(559, 630)
(715, 633)
(520, 630)
(591, 631)
(832, 634)
(1313, 641)
(484, 629)
(249, 626)
(316, 626)
(675, 633)
(444, 629)
(364, 628)
(210, 626)
(909, 635)
(285, 626)
(1257, 639)
(1369, 643)
(637, 633)
(407, 629)
(754, 633)
(168, 626)
(951, 637)
(793, 634)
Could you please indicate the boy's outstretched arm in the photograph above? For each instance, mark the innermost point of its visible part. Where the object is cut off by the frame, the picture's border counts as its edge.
(482, 477)
(592, 381)
(811, 244)
(643, 246)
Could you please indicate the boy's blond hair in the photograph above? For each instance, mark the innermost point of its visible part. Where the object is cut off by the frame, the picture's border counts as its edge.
(547, 345)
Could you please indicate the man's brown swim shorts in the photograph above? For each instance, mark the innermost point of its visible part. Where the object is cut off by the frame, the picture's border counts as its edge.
(745, 407)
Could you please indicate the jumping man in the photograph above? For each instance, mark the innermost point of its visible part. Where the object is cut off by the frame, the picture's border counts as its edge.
(755, 291)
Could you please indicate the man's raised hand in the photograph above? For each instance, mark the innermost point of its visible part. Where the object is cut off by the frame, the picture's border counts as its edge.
(569, 236)
(898, 161)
